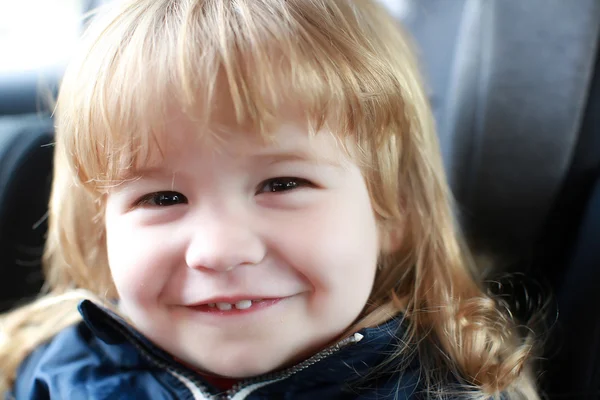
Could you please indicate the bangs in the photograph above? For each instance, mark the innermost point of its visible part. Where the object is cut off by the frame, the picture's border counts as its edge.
(226, 64)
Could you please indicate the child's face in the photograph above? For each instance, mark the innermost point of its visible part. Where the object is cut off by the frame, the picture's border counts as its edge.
(290, 223)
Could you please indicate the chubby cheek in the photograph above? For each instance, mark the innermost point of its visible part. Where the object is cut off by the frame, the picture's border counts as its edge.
(138, 261)
(336, 250)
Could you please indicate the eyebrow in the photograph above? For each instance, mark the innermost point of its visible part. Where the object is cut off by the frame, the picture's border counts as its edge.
(268, 157)
(147, 172)
(276, 156)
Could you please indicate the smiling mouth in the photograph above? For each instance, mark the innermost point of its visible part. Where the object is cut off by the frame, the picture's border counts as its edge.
(239, 307)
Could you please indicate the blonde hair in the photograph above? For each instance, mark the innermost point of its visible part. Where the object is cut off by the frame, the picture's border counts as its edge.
(348, 65)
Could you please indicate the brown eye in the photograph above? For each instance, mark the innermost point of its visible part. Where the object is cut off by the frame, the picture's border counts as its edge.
(282, 184)
(162, 199)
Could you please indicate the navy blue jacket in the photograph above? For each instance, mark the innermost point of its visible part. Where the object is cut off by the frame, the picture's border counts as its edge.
(103, 357)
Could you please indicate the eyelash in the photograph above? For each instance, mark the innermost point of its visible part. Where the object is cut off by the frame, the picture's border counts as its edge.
(157, 199)
(291, 183)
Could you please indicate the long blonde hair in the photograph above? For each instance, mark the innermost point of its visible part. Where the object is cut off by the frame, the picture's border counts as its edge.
(348, 65)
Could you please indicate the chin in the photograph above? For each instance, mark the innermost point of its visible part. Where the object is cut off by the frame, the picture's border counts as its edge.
(241, 365)
(244, 362)
(243, 371)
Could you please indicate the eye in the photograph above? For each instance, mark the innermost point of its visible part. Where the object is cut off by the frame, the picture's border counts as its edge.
(282, 184)
(161, 199)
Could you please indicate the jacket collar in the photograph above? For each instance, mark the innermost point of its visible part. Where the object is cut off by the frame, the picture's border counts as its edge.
(354, 359)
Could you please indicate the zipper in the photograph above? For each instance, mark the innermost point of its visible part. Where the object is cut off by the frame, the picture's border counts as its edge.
(240, 390)
(196, 388)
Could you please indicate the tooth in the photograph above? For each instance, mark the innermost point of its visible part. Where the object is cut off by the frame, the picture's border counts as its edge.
(211, 305)
(243, 304)
(224, 306)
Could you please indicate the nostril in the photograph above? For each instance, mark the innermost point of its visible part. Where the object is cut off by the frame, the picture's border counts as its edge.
(223, 251)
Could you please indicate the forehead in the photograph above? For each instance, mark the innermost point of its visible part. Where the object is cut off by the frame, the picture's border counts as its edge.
(291, 139)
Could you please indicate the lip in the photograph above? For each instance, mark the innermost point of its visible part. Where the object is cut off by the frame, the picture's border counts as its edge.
(233, 299)
(205, 309)
(263, 304)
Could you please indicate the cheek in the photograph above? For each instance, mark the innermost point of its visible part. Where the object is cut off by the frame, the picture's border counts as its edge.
(353, 248)
(138, 261)
(336, 247)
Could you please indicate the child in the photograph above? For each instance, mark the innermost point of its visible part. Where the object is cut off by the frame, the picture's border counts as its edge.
(249, 203)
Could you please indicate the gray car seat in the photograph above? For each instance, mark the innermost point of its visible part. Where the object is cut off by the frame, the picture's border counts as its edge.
(509, 81)
(574, 372)
(25, 177)
(572, 367)
(519, 127)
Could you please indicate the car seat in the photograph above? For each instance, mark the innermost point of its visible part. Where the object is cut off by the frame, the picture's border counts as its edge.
(25, 177)
(514, 86)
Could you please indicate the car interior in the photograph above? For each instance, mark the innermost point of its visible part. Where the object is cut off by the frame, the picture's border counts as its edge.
(515, 88)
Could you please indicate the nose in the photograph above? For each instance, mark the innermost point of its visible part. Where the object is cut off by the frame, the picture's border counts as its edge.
(220, 244)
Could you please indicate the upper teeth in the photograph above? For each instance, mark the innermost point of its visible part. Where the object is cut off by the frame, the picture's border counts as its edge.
(240, 305)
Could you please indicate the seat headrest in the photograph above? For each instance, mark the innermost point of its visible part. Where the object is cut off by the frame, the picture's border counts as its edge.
(25, 177)
(509, 86)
